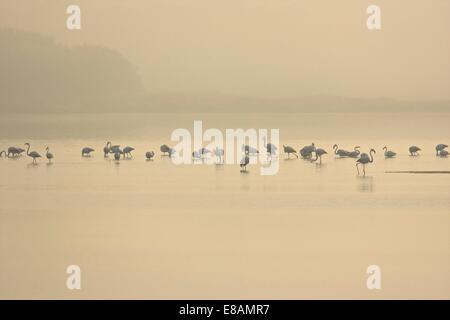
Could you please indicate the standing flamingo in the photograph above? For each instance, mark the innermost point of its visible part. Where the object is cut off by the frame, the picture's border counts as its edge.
(355, 153)
(166, 149)
(114, 149)
(244, 162)
(306, 152)
(364, 159)
(219, 152)
(413, 150)
(48, 155)
(127, 152)
(86, 151)
(340, 152)
(440, 147)
(289, 150)
(443, 153)
(117, 153)
(32, 154)
(319, 153)
(270, 147)
(388, 153)
(204, 152)
(14, 151)
(249, 150)
(196, 155)
(106, 149)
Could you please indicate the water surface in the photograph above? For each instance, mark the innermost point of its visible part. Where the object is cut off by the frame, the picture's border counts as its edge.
(151, 229)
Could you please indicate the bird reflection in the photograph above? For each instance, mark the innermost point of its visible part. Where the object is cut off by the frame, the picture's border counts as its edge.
(365, 184)
(320, 167)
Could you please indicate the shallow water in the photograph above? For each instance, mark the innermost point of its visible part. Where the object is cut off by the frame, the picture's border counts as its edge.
(152, 229)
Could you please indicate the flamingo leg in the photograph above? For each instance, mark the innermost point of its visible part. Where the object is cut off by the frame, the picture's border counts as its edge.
(364, 170)
(357, 168)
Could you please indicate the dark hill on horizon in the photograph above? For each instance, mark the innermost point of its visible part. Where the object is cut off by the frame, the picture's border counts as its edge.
(39, 75)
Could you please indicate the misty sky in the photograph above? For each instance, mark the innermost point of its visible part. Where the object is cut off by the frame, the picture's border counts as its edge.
(264, 48)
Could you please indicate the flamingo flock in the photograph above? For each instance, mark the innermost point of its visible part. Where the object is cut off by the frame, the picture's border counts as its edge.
(308, 152)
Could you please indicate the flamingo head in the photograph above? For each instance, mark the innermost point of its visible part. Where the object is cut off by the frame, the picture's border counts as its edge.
(373, 150)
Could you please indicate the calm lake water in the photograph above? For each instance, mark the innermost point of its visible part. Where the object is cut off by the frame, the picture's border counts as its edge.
(152, 229)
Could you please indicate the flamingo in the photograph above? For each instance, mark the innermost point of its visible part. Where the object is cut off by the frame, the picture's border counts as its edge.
(204, 152)
(106, 149)
(127, 152)
(49, 155)
(443, 153)
(340, 152)
(364, 159)
(32, 154)
(218, 152)
(166, 149)
(289, 150)
(388, 153)
(413, 150)
(114, 149)
(249, 150)
(149, 155)
(319, 153)
(86, 151)
(117, 154)
(440, 147)
(14, 151)
(270, 147)
(244, 162)
(306, 152)
(355, 153)
(196, 155)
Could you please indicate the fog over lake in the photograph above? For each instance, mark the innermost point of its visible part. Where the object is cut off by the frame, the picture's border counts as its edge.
(137, 70)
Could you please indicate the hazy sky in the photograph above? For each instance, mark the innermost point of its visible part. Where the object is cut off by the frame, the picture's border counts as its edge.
(266, 48)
